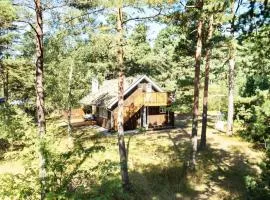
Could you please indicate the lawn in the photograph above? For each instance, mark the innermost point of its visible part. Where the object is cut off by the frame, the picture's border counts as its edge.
(158, 166)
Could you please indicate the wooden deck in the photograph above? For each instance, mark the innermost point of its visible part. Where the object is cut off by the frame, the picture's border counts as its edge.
(77, 119)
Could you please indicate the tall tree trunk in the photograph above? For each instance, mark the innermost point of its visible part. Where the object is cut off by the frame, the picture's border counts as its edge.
(232, 50)
(231, 91)
(40, 94)
(206, 82)
(70, 99)
(5, 84)
(120, 120)
(4, 76)
(196, 90)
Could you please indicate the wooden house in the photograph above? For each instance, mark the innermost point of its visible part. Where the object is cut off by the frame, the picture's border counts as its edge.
(145, 104)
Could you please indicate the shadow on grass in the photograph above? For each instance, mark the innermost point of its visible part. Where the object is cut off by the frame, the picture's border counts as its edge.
(167, 180)
(221, 172)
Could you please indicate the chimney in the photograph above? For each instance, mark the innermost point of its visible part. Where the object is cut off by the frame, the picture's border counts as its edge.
(95, 85)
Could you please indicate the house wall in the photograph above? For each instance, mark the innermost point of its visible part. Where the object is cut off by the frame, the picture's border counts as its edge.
(157, 116)
(103, 122)
(103, 118)
(157, 120)
(132, 106)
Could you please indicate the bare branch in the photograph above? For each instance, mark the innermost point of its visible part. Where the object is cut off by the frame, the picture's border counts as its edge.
(54, 7)
(84, 14)
(143, 18)
(234, 14)
(31, 25)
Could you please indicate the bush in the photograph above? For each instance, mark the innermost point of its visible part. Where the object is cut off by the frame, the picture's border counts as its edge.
(254, 114)
(259, 187)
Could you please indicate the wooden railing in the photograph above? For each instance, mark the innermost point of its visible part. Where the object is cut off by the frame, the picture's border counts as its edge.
(155, 98)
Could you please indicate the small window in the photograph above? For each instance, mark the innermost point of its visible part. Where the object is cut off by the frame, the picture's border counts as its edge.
(140, 86)
(162, 109)
(148, 87)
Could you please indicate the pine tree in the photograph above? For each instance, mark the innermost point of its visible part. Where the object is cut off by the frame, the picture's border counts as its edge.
(7, 17)
(40, 93)
(206, 82)
(197, 83)
(231, 71)
(120, 118)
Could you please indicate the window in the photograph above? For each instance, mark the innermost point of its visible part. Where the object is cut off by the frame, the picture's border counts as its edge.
(162, 109)
(148, 87)
(140, 86)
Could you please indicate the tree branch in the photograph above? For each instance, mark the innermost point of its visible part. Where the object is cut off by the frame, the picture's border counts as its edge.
(54, 7)
(84, 14)
(234, 14)
(31, 25)
(142, 18)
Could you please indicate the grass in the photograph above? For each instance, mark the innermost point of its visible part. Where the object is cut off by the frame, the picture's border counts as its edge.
(158, 166)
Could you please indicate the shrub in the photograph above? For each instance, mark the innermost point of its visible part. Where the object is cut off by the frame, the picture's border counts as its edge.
(254, 114)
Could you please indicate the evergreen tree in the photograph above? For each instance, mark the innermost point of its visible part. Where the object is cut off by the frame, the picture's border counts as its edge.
(197, 83)
(7, 17)
(40, 93)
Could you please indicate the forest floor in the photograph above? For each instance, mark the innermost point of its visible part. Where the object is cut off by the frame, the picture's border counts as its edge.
(159, 165)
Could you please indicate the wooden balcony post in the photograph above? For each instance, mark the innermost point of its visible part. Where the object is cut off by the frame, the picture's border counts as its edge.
(144, 117)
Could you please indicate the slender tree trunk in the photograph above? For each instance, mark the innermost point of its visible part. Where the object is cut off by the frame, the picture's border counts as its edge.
(206, 82)
(70, 99)
(231, 92)
(196, 91)
(120, 120)
(4, 76)
(5, 84)
(40, 95)
(232, 50)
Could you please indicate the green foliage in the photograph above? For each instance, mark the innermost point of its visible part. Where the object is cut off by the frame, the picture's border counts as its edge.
(254, 113)
(254, 83)
(259, 187)
(21, 79)
(19, 186)
(14, 124)
(183, 103)
(255, 59)
(7, 13)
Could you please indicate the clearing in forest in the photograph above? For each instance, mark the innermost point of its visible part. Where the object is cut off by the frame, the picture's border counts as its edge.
(158, 166)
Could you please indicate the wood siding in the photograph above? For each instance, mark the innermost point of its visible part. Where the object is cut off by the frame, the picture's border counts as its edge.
(156, 98)
(103, 122)
(157, 120)
(132, 105)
